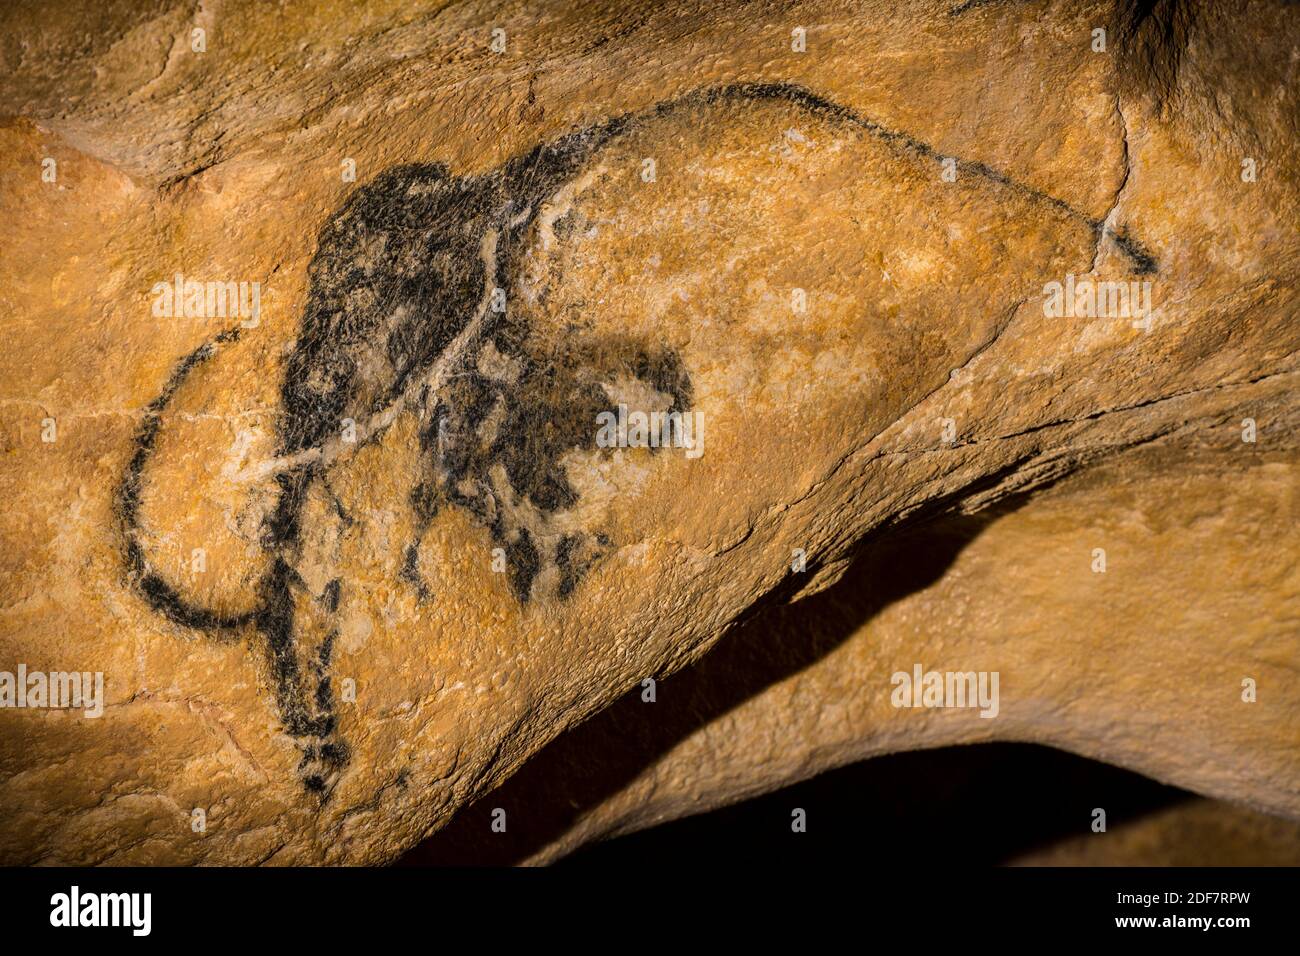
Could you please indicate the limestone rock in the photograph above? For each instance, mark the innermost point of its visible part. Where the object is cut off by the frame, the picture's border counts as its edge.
(1195, 833)
(1102, 664)
(351, 551)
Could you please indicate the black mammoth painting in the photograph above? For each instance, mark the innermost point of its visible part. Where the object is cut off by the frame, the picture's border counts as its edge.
(406, 313)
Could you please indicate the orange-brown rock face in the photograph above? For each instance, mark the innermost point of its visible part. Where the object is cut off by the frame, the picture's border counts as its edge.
(387, 393)
(1011, 591)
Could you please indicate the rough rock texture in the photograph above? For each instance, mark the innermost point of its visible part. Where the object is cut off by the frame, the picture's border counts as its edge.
(1196, 833)
(806, 687)
(347, 563)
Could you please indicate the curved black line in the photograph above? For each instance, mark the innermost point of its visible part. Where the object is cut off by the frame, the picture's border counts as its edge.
(161, 595)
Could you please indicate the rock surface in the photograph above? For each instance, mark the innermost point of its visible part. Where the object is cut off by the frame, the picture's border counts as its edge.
(347, 559)
(806, 687)
(1196, 833)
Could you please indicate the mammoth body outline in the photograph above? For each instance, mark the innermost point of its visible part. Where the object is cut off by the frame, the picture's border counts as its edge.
(406, 267)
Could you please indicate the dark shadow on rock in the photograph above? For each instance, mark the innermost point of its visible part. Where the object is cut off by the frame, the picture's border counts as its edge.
(588, 764)
(963, 806)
